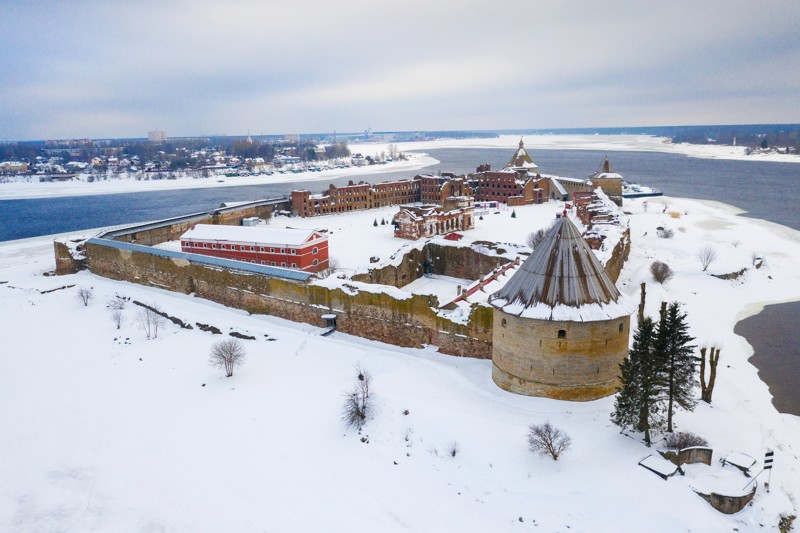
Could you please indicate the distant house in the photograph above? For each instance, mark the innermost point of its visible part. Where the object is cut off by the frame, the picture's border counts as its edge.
(305, 250)
(13, 167)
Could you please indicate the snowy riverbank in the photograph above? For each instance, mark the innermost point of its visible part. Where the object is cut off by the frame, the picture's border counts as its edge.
(417, 159)
(108, 431)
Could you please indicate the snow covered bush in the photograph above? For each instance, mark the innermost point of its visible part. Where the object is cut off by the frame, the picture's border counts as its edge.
(546, 439)
(665, 233)
(227, 354)
(84, 295)
(661, 271)
(684, 439)
(358, 404)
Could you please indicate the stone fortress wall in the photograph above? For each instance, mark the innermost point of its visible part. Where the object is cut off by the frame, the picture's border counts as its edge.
(411, 321)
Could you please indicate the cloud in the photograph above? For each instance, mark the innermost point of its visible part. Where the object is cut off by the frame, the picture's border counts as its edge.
(100, 69)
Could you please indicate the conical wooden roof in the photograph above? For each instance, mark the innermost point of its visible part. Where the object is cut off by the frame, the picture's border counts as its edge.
(562, 272)
(521, 159)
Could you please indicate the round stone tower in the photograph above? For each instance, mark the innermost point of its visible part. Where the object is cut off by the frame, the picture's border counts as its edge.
(561, 327)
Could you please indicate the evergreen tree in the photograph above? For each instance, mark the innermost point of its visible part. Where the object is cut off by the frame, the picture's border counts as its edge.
(513, 213)
(375, 222)
(676, 357)
(638, 402)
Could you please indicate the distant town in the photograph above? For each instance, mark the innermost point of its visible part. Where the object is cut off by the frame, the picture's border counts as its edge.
(159, 156)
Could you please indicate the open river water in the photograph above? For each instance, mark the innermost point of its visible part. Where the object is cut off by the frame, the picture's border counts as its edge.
(765, 190)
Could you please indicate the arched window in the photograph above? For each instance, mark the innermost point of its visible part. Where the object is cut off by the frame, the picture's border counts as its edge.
(503, 322)
(562, 334)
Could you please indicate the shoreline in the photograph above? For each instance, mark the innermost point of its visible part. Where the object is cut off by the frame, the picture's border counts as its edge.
(776, 283)
(763, 355)
(418, 159)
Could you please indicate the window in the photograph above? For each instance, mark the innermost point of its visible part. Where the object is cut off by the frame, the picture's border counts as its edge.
(503, 322)
(272, 250)
(272, 263)
(283, 263)
(315, 262)
(283, 250)
(224, 246)
(562, 334)
(314, 250)
(294, 265)
(214, 246)
(205, 245)
(262, 248)
(621, 327)
(252, 248)
(263, 262)
(294, 252)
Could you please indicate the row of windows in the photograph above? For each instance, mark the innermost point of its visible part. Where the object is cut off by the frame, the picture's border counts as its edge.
(562, 333)
(283, 263)
(243, 248)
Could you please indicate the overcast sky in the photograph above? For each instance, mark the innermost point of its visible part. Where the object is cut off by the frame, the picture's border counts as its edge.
(118, 69)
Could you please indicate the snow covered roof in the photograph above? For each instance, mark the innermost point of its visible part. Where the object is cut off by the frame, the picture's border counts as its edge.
(251, 234)
(605, 171)
(521, 159)
(561, 280)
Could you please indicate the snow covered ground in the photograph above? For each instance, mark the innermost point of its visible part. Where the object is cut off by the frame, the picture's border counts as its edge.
(417, 159)
(104, 430)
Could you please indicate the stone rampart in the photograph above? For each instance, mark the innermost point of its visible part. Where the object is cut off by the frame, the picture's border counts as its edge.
(379, 316)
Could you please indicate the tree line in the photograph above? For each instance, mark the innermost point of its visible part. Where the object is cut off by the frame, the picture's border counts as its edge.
(658, 376)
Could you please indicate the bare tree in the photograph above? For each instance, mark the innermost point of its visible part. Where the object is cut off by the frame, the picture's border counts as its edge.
(546, 439)
(227, 354)
(116, 303)
(150, 321)
(117, 317)
(535, 238)
(84, 295)
(706, 255)
(333, 266)
(707, 388)
(661, 271)
(453, 449)
(358, 404)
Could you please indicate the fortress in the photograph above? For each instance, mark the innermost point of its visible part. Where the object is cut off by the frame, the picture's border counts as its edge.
(558, 327)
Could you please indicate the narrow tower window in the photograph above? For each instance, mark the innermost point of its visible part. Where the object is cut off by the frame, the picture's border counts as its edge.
(562, 334)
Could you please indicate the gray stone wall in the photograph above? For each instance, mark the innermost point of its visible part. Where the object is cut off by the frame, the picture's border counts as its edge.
(558, 359)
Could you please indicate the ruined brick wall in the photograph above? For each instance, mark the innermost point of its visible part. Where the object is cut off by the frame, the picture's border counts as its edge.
(404, 322)
(618, 256)
(455, 261)
(172, 232)
(66, 262)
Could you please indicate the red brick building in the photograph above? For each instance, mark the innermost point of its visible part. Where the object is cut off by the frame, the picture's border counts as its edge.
(357, 196)
(305, 250)
(417, 221)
